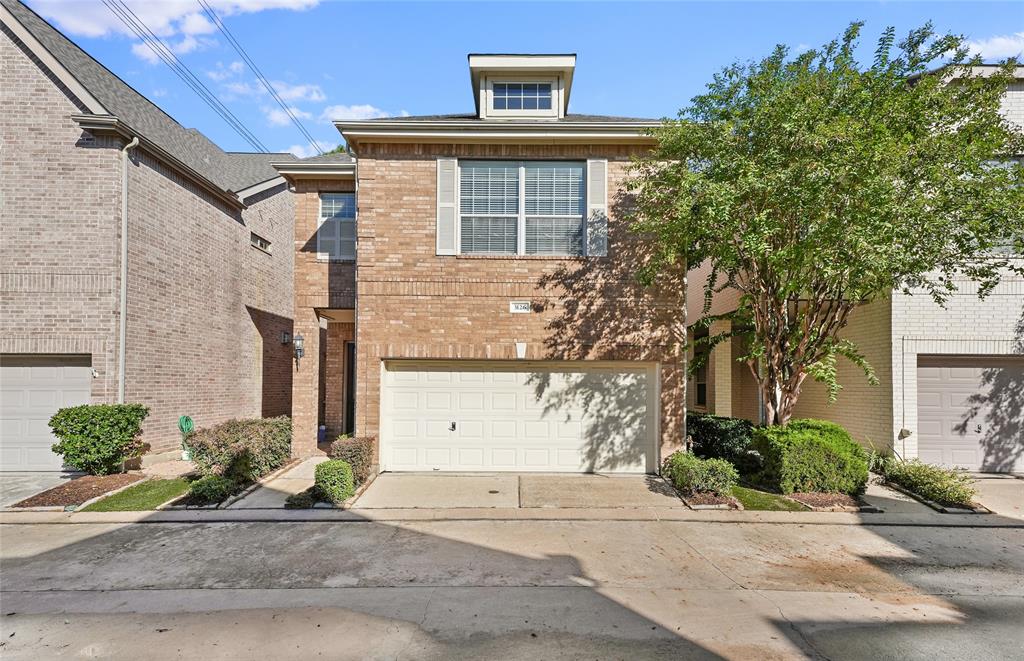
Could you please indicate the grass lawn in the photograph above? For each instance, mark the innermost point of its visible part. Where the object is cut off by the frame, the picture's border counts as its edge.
(141, 497)
(753, 499)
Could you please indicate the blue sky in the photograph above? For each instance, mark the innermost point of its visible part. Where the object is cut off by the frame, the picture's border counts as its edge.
(333, 59)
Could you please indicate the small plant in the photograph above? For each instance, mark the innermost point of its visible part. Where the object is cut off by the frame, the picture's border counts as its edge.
(334, 481)
(211, 489)
(98, 438)
(810, 456)
(242, 450)
(692, 475)
(358, 452)
(942, 485)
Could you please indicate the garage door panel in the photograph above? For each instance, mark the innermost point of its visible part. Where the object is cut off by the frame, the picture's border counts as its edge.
(978, 421)
(515, 416)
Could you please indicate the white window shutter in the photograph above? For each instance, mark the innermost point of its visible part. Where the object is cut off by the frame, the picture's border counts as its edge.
(447, 199)
(597, 207)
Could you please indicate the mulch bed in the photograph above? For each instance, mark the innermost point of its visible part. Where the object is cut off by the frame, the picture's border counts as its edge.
(710, 499)
(79, 490)
(826, 500)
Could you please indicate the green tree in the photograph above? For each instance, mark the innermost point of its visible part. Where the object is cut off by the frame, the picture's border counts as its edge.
(813, 184)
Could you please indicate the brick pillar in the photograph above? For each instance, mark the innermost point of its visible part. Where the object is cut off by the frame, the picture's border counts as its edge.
(720, 371)
(306, 385)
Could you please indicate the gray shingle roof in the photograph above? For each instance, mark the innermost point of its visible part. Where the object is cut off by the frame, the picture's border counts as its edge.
(568, 119)
(228, 171)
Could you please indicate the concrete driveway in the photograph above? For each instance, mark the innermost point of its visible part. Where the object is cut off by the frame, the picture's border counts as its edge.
(1002, 493)
(510, 490)
(15, 486)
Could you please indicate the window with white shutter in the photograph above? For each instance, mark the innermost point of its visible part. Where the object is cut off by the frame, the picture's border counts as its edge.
(531, 208)
(336, 231)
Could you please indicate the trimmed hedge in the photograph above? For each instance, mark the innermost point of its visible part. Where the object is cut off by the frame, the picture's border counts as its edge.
(211, 489)
(692, 475)
(242, 450)
(810, 455)
(358, 452)
(942, 485)
(334, 481)
(715, 437)
(98, 438)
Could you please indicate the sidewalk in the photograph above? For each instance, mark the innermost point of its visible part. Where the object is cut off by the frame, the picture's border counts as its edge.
(272, 494)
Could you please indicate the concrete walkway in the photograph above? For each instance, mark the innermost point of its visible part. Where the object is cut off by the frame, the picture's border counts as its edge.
(273, 493)
(1003, 494)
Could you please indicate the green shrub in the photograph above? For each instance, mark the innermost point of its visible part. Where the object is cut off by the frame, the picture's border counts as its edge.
(715, 437)
(242, 450)
(211, 489)
(333, 480)
(98, 438)
(941, 485)
(691, 475)
(358, 452)
(810, 455)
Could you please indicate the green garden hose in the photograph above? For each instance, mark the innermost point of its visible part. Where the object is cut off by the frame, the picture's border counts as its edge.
(185, 426)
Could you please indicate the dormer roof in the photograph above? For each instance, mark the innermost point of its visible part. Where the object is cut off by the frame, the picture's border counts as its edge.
(557, 68)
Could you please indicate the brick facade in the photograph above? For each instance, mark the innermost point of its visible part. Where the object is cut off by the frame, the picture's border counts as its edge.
(412, 303)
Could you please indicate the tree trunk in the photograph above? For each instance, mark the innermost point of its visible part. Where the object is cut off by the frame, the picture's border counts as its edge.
(779, 397)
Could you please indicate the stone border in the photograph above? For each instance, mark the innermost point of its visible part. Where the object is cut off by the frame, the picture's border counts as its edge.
(944, 509)
(734, 505)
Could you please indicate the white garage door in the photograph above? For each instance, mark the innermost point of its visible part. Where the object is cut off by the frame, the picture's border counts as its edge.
(970, 412)
(518, 416)
(32, 388)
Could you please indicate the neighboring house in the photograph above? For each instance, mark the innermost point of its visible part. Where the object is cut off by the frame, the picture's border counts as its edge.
(204, 297)
(475, 308)
(952, 378)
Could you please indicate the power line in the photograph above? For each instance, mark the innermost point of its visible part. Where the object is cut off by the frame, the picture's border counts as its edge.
(148, 37)
(259, 74)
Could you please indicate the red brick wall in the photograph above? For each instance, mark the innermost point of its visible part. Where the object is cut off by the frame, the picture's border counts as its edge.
(413, 303)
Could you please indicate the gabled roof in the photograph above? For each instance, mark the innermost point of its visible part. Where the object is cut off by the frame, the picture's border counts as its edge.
(229, 172)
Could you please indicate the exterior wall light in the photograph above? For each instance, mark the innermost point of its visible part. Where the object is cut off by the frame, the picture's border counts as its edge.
(300, 350)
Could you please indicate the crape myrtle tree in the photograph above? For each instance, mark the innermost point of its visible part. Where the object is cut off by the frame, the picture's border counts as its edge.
(813, 184)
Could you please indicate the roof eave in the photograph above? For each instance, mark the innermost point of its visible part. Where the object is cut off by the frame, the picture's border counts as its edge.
(113, 125)
(297, 170)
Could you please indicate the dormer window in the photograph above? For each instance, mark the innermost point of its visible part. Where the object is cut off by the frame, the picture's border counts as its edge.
(522, 96)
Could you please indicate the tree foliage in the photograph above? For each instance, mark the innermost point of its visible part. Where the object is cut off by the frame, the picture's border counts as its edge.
(814, 184)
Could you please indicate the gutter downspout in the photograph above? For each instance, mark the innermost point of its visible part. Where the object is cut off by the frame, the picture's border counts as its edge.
(122, 330)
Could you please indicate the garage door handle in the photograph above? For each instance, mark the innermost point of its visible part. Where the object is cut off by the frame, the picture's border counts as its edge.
(451, 427)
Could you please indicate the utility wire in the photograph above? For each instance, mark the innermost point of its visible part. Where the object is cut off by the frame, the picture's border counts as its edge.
(148, 37)
(259, 74)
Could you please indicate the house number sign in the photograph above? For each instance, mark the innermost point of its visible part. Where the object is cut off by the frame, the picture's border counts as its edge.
(520, 307)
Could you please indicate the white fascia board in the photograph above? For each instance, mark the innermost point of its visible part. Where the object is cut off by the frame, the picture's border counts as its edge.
(477, 61)
(51, 63)
(476, 131)
(299, 170)
(256, 189)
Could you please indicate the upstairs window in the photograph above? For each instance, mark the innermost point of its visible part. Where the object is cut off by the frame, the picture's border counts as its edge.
(336, 232)
(522, 96)
(521, 208)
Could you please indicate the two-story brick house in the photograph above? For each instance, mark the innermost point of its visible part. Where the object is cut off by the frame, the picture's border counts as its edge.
(138, 261)
(466, 289)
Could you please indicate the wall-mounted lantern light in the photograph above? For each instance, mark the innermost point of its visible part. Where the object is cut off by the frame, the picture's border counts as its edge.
(300, 350)
(286, 337)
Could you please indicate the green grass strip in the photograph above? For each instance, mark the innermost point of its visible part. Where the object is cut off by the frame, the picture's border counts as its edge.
(141, 497)
(753, 499)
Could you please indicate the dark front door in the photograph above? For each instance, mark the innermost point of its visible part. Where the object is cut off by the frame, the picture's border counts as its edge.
(350, 387)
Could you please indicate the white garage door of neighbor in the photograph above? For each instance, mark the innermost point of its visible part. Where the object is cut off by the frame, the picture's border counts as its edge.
(32, 388)
(970, 412)
(518, 416)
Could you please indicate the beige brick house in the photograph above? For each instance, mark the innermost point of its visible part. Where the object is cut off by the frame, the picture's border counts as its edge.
(465, 290)
(138, 261)
(952, 378)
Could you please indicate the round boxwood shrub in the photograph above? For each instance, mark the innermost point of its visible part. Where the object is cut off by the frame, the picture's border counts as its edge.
(334, 481)
(810, 456)
(692, 475)
(358, 452)
(98, 438)
(211, 489)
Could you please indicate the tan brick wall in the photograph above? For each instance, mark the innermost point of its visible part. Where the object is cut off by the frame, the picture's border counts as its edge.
(415, 304)
(59, 209)
(316, 396)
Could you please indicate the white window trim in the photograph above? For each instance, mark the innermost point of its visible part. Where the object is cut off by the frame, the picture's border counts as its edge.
(521, 218)
(327, 257)
(556, 96)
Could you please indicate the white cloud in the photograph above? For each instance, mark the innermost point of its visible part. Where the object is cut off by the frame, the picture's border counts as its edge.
(278, 117)
(222, 73)
(302, 92)
(183, 46)
(159, 92)
(999, 47)
(305, 151)
(361, 111)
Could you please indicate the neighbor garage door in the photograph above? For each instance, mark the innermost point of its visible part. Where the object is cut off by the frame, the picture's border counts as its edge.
(518, 416)
(971, 411)
(32, 388)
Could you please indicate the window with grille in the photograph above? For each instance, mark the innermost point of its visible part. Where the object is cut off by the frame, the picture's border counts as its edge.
(531, 208)
(336, 234)
(522, 96)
